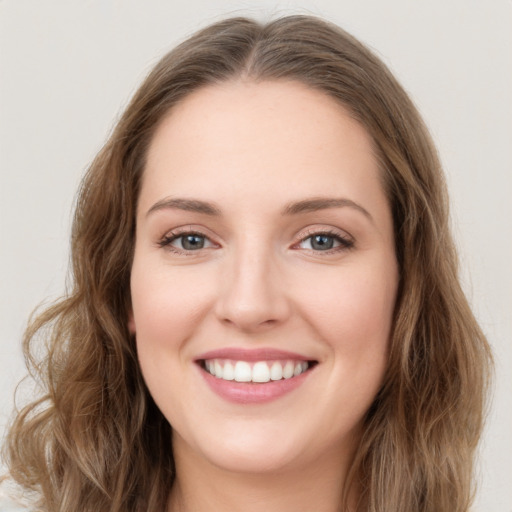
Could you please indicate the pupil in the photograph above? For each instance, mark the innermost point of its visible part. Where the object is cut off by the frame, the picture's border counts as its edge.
(322, 242)
(191, 242)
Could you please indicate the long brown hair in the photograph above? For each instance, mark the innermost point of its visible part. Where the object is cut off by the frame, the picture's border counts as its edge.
(96, 441)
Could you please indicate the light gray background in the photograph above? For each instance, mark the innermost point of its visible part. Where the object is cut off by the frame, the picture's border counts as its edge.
(67, 68)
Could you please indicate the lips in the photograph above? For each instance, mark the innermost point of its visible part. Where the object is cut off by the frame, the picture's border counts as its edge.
(260, 371)
(260, 354)
(253, 376)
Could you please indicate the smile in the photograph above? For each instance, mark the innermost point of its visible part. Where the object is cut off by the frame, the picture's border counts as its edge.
(256, 376)
(258, 371)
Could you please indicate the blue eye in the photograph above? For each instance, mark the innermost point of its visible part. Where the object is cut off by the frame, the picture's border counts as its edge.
(186, 242)
(322, 242)
(325, 242)
(191, 242)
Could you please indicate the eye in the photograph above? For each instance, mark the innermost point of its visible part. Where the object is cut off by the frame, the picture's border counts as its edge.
(186, 242)
(324, 242)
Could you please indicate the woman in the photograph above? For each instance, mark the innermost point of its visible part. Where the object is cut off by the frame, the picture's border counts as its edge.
(265, 312)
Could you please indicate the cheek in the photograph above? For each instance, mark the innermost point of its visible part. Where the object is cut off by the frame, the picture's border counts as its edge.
(353, 313)
(167, 308)
(352, 309)
(165, 304)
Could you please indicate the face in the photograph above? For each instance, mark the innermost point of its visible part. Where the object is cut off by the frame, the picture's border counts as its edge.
(264, 276)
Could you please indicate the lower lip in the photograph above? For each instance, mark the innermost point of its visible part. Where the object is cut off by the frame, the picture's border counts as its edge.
(253, 392)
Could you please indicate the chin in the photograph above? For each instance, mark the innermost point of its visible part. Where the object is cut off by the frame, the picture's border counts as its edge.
(257, 452)
(245, 460)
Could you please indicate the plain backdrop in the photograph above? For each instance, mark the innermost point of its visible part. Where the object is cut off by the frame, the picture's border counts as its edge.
(68, 67)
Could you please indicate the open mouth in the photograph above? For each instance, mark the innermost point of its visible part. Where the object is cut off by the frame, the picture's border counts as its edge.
(255, 371)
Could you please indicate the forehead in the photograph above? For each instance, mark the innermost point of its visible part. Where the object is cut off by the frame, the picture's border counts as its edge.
(247, 139)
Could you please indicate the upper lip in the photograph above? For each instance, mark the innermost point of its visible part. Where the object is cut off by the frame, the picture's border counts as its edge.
(259, 354)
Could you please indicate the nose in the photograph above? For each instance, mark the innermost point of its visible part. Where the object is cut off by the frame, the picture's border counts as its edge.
(252, 295)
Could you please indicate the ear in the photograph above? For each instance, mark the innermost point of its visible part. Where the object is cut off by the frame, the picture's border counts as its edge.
(131, 322)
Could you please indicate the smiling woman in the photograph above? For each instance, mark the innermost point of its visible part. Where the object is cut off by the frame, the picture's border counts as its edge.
(266, 312)
(281, 278)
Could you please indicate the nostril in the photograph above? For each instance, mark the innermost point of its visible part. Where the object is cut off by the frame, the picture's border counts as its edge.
(249, 323)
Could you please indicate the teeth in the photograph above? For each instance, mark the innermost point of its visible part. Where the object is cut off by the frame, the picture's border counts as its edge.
(288, 370)
(260, 371)
(243, 372)
(228, 372)
(218, 369)
(276, 372)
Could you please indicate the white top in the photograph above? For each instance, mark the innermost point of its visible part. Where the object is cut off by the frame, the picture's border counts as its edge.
(7, 503)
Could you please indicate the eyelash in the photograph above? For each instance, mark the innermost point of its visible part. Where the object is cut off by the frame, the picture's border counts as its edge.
(168, 239)
(345, 243)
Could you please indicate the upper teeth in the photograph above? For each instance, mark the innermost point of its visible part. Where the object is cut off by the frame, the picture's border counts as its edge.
(260, 371)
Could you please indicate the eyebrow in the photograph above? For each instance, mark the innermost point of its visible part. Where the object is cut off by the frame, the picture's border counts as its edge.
(322, 203)
(293, 208)
(190, 205)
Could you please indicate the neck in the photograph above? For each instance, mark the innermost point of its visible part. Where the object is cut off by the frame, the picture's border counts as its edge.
(201, 486)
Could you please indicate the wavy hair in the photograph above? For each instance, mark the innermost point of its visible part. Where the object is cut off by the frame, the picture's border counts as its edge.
(96, 442)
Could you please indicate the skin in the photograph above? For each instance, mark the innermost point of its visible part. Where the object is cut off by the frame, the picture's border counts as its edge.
(251, 150)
